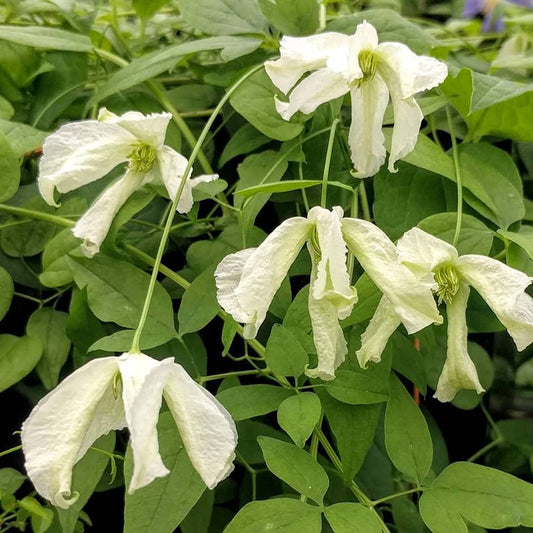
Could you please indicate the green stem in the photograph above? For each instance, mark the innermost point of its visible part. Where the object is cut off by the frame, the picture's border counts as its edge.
(11, 450)
(458, 178)
(485, 449)
(364, 202)
(396, 495)
(27, 297)
(203, 379)
(47, 217)
(327, 162)
(354, 213)
(490, 420)
(304, 192)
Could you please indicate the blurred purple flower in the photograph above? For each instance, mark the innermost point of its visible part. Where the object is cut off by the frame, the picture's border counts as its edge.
(492, 11)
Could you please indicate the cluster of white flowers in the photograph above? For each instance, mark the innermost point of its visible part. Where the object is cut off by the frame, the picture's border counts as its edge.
(127, 391)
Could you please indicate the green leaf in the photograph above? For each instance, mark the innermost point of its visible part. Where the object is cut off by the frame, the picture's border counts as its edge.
(120, 341)
(247, 401)
(199, 304)
(150, 65)
(161, 506)
(6, 109)
(6, 291)
(146, 9)
(474, 237)
(366, 386)
(407, 436)
(49, 326)
(408, 361)
(22, 138)
(18, 357)
(368, 299)
(9, 170)
(245, 140)
(298, 415)
(295, 467)
(292, 17)
(11, 479)
(41, 517)
(56, 271)
(116, 291)
(254, 100)
(199, 517)
(352, 518)
(477, 494)
(85, 476)
(406, 516)
(281, 515)
(288, 186)
(224, 17)
(523, 237)
(284, 354)
(44, 37)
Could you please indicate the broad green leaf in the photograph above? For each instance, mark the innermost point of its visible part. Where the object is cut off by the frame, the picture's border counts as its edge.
(243, 141)
(56, 271)
(518, 433)
(150, 65)
(116, 291)
(199, 517)
(18, 357)
(161, 506)
(352, 518)
(523, 237)
(474, 238)
(298, 415)
(368, 298)
(408, 361)
(49, 326)
(282, 515)
(85, 476)
(247, 401)
(9, 170)
(254, 100)
(406, 516)
(189, 351)
(11, 479)
(366, 386)
(477, 494)
(295, 467)
(6, 291)
(284, 354)
(292, 17)
(6, 109)
(146, 9)
(199, 304)
(407, 436)
(120, 341)
(248, 446)
(289, 185)
(44, 37)
(41, 517)
(224, 17)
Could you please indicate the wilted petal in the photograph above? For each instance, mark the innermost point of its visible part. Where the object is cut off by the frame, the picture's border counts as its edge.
(300, 55)
(378, 332)
(459, 371)
(332, 279)
(263, 271)
(143, 380)
(206, 428)
(367, 143)
(411, 299)
(150, 129)
(423, 252)
(319, 87)
(502, 287)
(65, 423)
(80, 153)
(94, 225)
(327, 335)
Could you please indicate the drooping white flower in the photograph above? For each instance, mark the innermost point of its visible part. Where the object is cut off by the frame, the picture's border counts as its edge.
(370, 72)
(82, 152)
(113, 393)
(501, 286)
(248, 280)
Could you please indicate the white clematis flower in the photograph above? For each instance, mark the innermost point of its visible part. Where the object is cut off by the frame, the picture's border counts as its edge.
(501, 286)
(248, 280)
(117, 392)
(370, 72)
(82, 152)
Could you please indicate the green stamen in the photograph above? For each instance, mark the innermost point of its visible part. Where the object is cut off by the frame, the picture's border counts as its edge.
(142, 157)
(313, 241)
(448, 283)
(369, 64)
(117, 385)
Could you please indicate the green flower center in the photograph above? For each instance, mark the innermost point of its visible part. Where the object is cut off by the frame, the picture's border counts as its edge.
(448, 283)
(313, 241)
(142, 157)
(368, 63)
(117, 385)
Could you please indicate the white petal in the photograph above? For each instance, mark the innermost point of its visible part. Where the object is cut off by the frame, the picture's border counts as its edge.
(227, 276)
(93, 226)
(459, 372)
(378, 332)
(300, 55)
(65, 423)
(423, 252)
(332, 280)
(502, 287)
(150, 128)
(411, 299)
(319, 87)
(143, 379)
(327, 335)
(366, 139)
(407, 73)
(264, 270)
(366, 36)
(407, 119)
(80, 153)
(206, 428)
